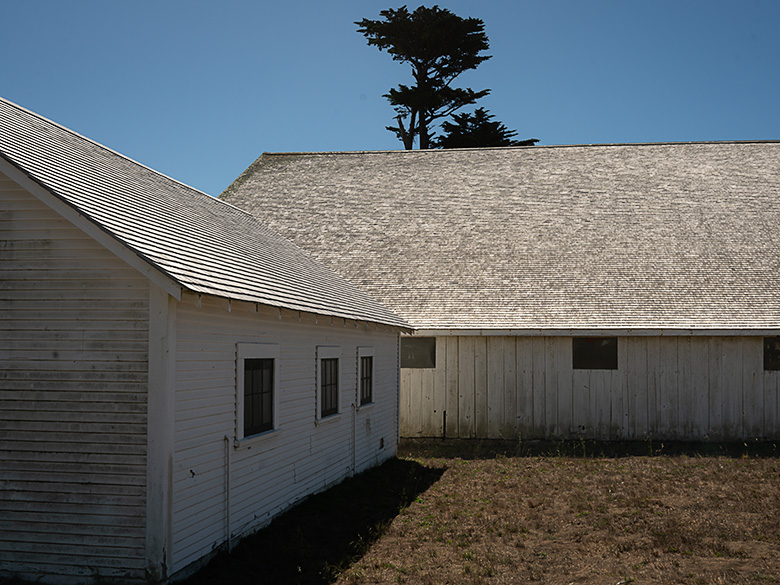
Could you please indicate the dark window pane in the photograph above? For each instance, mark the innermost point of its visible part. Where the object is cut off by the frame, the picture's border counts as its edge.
(418, 352)
(366, 379)
(595, 353)
(258, 395)
(329, 388)
(772, 353)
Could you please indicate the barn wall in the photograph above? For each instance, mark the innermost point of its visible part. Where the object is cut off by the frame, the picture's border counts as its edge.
(73, 383)
(302, 456)
(664, 388)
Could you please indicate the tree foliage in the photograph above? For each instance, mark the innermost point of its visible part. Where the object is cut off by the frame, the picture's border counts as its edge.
(439, 46)
(478, 130)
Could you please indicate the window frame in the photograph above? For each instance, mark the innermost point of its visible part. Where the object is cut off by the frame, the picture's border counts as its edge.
(600, 360)
(326, 352)
(365, 352)
(263, 351)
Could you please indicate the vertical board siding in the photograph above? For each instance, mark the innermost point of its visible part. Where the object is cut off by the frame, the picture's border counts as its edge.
(302, 455)
(687, 388)
(73, 384)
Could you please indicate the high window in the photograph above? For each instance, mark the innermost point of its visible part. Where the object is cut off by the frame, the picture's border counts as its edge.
(257, 373)
(418, 352)
(595, 353)
(772, 353)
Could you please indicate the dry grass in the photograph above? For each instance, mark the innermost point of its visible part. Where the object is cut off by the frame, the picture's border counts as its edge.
(684, 518)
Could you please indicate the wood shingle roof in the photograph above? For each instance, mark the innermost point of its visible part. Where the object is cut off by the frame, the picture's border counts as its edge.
(202, 244)
(644, 236)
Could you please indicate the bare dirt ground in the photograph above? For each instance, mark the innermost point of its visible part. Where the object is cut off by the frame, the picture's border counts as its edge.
(689, 518)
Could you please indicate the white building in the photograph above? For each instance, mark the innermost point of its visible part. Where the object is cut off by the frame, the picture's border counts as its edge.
(173, 373)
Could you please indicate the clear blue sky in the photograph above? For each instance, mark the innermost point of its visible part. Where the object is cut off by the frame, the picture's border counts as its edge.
(198, 90)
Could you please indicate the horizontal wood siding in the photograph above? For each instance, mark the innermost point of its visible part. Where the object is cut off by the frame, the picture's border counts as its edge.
(695, 388)
(303, 455)
(73, 347)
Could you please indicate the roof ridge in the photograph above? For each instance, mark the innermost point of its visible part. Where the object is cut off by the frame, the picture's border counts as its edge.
(505, 148)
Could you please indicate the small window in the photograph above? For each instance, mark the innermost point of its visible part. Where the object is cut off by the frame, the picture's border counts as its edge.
(329, 386)
(258, 396)
(366, 379)
(328, 381)
(257, 372)
(418, 352)
(772, 353)
(595, 353)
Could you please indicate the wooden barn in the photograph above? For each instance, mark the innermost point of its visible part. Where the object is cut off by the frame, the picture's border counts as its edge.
(601, 291)
(173, 373)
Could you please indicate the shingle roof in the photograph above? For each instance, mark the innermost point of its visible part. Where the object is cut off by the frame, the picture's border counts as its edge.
(645, 236)
(201, 243)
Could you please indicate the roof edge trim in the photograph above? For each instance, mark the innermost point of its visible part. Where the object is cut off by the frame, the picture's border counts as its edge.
(598, 332)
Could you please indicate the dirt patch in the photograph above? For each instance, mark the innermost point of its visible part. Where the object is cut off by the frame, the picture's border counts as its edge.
(567, 518)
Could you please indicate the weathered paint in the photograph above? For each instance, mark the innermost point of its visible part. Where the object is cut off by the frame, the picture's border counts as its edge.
(665, 387)
(303, 455)
(73, 399)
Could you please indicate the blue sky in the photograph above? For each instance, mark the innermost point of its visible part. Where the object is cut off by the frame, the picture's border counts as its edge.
(198, 90)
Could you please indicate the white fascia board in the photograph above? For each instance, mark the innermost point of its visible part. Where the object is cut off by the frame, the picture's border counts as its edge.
(92, 230)
(595, 332)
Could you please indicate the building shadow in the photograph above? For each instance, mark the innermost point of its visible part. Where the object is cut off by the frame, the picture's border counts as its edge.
(318, 539)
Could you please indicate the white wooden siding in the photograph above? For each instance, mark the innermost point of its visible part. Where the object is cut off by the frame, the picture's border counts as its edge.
(664, 388)
(73, 348)
(302, 456)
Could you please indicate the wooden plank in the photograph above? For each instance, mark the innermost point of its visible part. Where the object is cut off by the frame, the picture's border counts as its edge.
(732, 378)
(436, 422)
(753, 388)
(636, 383)
(715, 394)
(509, 423)
(429, 425)
(452, 410)
(581, 420)
(700, 386)
(539, 387)
(480, 388)
(564, 381)
(525, 386)
(551, 428)
(653, 382)
(666, 388)
(495, 387)
(685, 398)
(466, 388)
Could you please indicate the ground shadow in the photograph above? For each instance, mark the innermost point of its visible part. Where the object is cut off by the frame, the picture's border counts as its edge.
(315, 541)
(490, 449)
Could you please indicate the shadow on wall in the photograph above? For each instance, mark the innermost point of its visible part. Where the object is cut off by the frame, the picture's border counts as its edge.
(318, 539)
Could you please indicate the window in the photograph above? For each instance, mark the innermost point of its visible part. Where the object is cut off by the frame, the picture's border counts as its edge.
(329, 386)
(365, 375)
(328, 381)
(772, 353)
(595, 353)
(256, 395)
(418, 352)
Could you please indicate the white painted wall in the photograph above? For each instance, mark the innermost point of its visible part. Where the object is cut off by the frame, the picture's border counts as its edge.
(506, 387)
(264, 476)
(73, 399)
